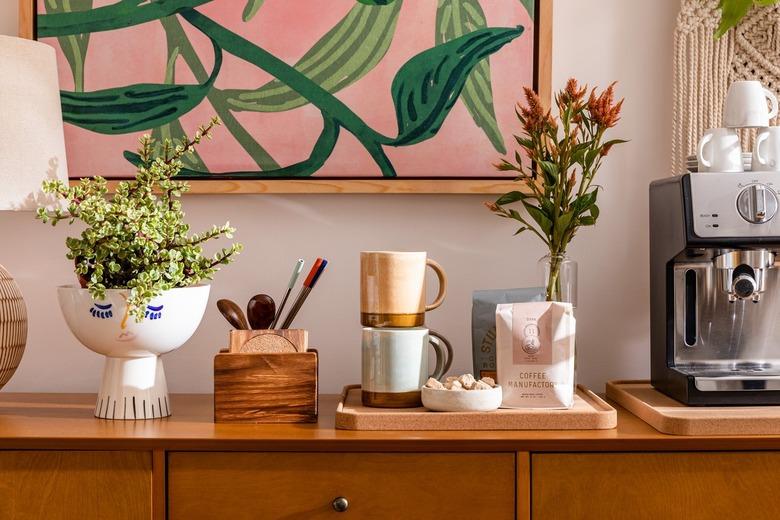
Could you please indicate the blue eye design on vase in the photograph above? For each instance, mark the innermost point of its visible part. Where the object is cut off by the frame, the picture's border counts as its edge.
(102, 312)
(153, 313)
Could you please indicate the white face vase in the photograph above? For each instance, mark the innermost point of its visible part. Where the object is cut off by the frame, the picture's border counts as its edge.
(105, 326)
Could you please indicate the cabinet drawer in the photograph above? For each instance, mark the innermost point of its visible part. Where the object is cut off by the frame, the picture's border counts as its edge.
(75, 484)
(376, 485)
(656, 485)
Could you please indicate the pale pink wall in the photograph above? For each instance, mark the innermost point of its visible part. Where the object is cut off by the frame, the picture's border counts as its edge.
(595, 40)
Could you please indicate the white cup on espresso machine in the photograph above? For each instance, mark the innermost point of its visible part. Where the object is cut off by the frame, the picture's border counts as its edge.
(720, 150)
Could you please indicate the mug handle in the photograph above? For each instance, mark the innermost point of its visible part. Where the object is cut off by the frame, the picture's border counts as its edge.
(706, 138)
(773, 101)
(763, 136)
(442, 284)
(443, 362)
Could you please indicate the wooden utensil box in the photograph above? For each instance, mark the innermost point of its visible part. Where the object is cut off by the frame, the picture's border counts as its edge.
(266, 387)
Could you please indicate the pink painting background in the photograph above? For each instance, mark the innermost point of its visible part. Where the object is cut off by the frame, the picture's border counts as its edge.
(287, 29)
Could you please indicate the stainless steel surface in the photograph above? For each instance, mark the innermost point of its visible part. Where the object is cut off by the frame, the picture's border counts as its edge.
(737, 383)
(757, 204)
(724, 338)
(727, 205)
(742, 272)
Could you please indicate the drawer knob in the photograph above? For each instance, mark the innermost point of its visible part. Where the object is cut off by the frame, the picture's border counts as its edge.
(340, 504)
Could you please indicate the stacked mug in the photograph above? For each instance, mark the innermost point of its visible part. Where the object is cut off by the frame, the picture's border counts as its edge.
(395, 341)
(720, 149)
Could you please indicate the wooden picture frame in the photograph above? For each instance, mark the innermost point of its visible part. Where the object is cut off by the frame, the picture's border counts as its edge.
(492, 185)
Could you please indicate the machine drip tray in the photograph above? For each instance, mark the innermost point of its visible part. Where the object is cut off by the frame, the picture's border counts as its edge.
(736, 377)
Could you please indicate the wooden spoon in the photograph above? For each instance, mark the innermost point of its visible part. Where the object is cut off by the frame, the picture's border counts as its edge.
(233, 314)
(261, 311)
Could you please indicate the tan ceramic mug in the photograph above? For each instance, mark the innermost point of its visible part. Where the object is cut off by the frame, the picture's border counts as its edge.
(392, 288)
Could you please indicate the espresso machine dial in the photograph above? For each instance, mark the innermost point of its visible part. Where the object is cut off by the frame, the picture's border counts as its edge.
(757, 204)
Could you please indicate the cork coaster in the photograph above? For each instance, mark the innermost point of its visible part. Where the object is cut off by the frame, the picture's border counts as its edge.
(268, 344)
(589, 412)
(670, 416)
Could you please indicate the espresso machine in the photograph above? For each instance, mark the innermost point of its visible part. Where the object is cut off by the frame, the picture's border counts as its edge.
(715, 288)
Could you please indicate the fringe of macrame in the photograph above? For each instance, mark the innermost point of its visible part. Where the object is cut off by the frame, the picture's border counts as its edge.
(701, 76)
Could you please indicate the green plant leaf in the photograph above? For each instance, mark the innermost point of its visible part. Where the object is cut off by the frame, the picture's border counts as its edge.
(124, 13)
(346, 53)
(137, 107)
(428, 85)
(545, 224)
(509, 198)
(74, 46)
(530, 6)
(454, 18)
(731, 13)
(252, 6)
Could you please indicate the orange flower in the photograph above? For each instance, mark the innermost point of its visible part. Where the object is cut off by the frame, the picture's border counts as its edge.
(602, 108)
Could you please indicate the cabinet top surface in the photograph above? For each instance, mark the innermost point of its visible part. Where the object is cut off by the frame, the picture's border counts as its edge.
(65, 421)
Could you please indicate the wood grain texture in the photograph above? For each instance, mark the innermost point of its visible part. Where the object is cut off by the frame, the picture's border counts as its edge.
(246, 341)
(670, 416)
(265, 388)
(523, 477)
(26, 20)
(65, 421)
(55, 484)
(589, 412)
(353, 186)
(159, 484)
(544, 46)
(377, 485)
(639, 486)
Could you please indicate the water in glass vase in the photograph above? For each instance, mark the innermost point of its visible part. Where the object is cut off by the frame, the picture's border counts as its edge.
(559, 277)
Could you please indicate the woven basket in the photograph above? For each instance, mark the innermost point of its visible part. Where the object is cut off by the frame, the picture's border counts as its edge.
(13, 326)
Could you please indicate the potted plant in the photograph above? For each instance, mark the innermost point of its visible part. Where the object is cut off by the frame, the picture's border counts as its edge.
(563, 155)
(140, 272)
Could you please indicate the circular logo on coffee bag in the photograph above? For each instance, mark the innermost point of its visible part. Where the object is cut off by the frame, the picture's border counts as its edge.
(531, 343)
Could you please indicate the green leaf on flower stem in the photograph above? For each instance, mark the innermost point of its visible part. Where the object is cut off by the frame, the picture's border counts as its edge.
(520, 230)
(427, 86)
(545, 224)
(561, 225)
(454, 18)
(587, 221)
(509, 198)
(134, 108)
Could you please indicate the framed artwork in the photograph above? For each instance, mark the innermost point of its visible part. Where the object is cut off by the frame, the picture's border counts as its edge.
(342, 96)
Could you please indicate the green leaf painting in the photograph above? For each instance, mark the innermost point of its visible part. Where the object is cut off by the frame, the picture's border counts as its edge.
(372, 79)
(427, 86)
(454, 18)
(134, 108)
(74, 46)
(340, 58)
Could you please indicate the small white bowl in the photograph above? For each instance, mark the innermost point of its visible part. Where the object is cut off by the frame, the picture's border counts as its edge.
(462, 400)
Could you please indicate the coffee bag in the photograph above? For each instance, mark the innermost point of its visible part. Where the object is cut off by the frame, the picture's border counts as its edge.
(483, 323)
(535, 354)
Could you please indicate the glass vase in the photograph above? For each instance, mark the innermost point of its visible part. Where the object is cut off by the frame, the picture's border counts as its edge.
(559, 278)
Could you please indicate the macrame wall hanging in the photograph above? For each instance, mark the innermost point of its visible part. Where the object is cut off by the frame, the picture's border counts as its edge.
(704, 67)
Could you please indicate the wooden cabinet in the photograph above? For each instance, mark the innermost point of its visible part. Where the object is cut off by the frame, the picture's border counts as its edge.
(375, 485)
(685, 486)
(86, 485)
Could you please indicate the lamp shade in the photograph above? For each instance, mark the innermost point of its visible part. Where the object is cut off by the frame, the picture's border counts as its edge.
(32, 147)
